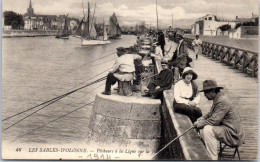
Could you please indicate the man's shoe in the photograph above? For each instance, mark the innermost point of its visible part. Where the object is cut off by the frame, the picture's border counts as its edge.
(106, 93)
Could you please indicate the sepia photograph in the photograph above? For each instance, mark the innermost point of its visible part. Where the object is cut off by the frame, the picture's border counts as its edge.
(129, 80)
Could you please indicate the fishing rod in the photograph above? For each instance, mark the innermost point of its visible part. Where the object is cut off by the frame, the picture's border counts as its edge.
(90, 62)
(52, 121)
(51, 103)
(56, 98)
(172, 141)
(150, 76)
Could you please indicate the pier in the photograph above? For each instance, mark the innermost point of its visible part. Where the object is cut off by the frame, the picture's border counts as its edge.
(241, 86)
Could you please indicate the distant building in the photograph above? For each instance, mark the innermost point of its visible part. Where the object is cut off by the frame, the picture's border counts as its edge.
(45, 22)
(210, 25)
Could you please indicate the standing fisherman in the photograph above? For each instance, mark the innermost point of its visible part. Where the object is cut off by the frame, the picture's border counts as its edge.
(180, 58)
(196, 44)
(161, 41)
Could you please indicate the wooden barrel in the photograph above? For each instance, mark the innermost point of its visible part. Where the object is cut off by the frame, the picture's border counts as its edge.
(128, 121)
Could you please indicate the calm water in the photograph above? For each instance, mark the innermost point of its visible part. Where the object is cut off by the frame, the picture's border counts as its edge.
(37, 69)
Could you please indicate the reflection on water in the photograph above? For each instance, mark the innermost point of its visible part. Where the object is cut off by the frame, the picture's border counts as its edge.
(38, 69)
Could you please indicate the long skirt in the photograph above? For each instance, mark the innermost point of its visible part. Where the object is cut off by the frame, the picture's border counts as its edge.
(191, 111)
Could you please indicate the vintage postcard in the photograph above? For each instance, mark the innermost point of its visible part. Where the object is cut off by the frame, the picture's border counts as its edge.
(129, 80)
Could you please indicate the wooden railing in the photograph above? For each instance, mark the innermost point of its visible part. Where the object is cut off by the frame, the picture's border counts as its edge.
(246, 61)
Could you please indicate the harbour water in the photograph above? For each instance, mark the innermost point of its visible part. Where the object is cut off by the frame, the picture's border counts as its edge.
(38, 69)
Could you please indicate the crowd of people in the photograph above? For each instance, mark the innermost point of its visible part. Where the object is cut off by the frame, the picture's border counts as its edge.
(222, 123)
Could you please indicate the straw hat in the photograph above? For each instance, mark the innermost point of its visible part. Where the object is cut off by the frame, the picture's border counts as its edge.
(210, 84)
(188, 70)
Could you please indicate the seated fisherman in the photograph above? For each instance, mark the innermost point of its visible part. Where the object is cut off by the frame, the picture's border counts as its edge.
(186, 97)
(122, 70)
(222, 123)
(161, 82)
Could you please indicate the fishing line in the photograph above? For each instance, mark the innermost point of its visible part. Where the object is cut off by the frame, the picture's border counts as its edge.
(51, 103)
(90, 62)
(90, 78)
(60, 116)
(53, 121)
(56, 98)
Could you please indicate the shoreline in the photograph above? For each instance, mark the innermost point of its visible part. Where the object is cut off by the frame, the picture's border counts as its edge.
(28, 33)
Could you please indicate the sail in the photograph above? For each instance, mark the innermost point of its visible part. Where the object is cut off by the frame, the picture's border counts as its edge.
(65, 29)
(119, 31)
(89, 31)
(79, 28)
(92, 30)
(114, 28)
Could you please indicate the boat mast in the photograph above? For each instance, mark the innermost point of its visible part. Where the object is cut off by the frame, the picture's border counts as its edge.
(83, 9)
(172, 20)
(92, 19)
(88, 20)
(104, 28)
(157, 15)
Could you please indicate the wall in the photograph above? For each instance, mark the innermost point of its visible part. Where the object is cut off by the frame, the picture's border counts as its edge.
(28, 33)
(187, 147)
(249, 30)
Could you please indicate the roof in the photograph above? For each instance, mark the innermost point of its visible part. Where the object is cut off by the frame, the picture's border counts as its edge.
(29, 15)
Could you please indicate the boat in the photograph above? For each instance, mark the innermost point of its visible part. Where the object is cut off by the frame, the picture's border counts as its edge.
(114, 30)
(89, 36)
(64, 33)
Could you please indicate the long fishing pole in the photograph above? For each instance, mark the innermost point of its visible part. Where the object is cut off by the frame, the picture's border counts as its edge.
(172, 141)
(56, 98)
(150, 76)
(52, 121)
(51, 103)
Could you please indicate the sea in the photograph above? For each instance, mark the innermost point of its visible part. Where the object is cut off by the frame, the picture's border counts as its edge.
(38, 69)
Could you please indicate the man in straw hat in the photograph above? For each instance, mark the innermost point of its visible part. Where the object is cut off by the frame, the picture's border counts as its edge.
(122, 70)
(222, 123)
(180, 58)
(186, 97)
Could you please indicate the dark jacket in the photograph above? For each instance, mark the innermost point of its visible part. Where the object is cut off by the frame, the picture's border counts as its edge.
(161, 39)
(181, 57)
(225, 117)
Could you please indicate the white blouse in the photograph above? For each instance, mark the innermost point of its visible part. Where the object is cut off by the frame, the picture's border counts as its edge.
(182, 91)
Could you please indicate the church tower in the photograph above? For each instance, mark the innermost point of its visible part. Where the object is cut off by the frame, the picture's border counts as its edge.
(30, 9)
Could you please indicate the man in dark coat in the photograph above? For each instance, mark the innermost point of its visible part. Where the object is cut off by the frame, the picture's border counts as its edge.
(161, 41)
(180, 59)
(222, 123)
(163, 81)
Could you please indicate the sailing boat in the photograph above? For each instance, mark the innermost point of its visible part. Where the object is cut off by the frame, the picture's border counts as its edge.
(114, 30)
(64, 33)
(89, 36)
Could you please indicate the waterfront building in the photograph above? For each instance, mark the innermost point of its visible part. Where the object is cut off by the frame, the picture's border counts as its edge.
(210, 24)
(46, 22)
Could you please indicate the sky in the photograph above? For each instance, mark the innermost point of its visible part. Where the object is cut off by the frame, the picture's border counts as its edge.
(180, 13)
